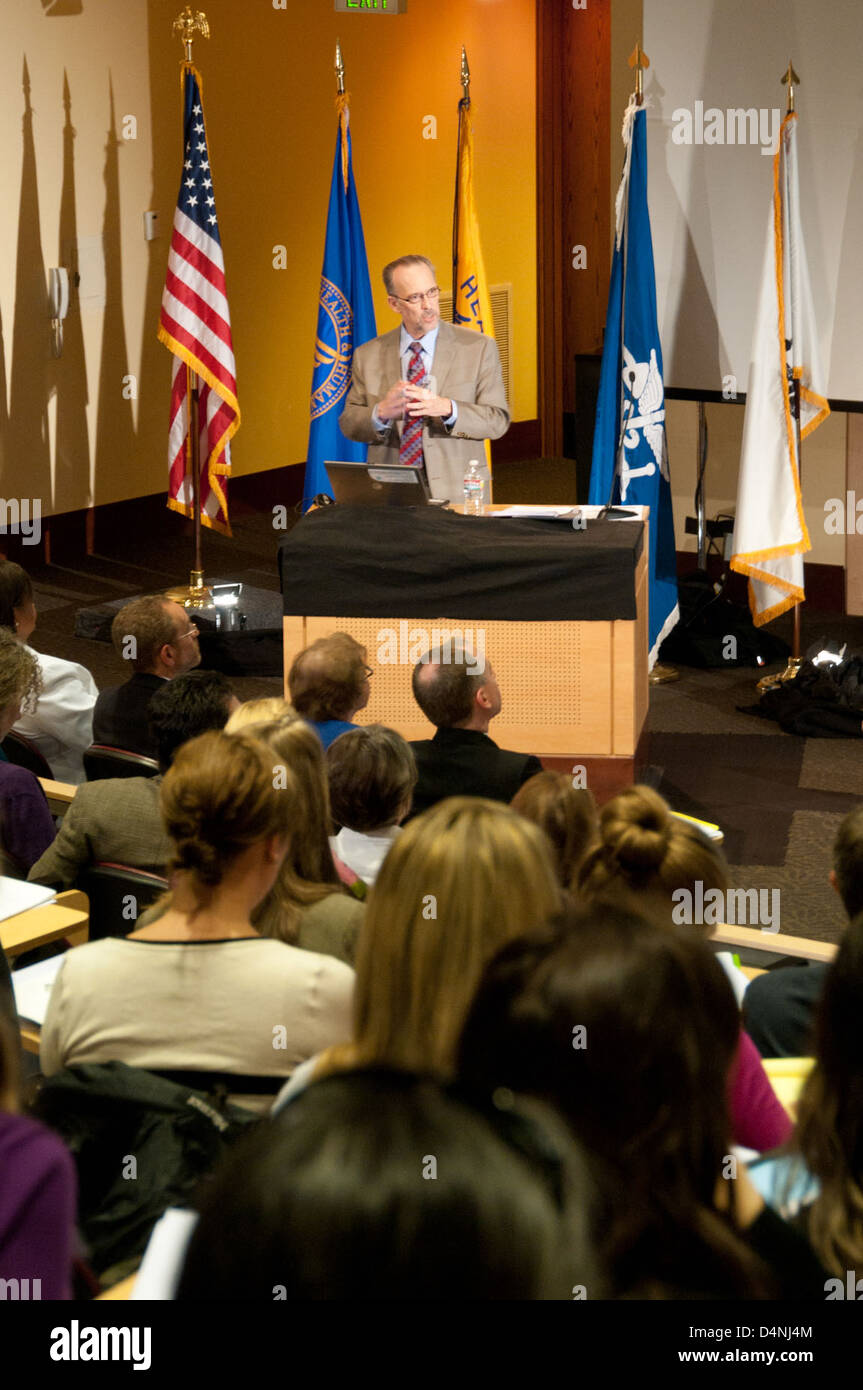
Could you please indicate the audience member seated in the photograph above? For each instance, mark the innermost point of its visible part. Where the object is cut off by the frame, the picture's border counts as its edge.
(459, 882)
(157, 638)
(779, 1006)
(61, 723)
(26, 825)
(818, 1180)
(199, 989)
(309, 905)
(329, 683)
(568, 816)
(630, 1029)
(37, 1193)
(117, 820)
(331, 1202)
(372, 775)
(461, 759)
(649, 861)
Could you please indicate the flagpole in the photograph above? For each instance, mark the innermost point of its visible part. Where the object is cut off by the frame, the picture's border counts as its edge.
(463, 105)
(196, 594)
(795, 661)
(662, 674)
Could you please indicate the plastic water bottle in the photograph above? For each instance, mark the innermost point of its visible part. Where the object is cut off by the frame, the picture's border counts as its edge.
(474, 490)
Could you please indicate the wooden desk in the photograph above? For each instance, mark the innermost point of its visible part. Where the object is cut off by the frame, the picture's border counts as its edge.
(67, 917)
(574, 692)
(775, 943)
(59, 794)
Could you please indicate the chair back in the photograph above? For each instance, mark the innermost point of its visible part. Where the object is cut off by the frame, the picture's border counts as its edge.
(119, 895)
(23, 753)
(101, 761)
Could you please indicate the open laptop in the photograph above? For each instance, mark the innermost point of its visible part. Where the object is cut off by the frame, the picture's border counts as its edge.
(373, 485)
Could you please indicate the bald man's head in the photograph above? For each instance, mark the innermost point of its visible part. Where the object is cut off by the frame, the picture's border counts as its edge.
(452, 695)
(328, 680)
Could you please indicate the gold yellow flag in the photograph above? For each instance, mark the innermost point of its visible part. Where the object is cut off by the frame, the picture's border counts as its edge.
(471, 302)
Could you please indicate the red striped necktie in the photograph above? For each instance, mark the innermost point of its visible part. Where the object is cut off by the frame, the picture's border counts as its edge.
(411, 446)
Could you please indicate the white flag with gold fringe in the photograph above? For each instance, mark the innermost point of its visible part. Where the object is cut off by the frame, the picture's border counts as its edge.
(770, 535)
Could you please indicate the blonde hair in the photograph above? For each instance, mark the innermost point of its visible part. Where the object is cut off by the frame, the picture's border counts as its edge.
(644, 850)
(20, 677)
(459, 883)
(220, 796)
(308, 873)
(268, 710)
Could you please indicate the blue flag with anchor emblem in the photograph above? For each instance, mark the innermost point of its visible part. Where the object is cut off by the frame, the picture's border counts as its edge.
(346, 318)
(630, 456)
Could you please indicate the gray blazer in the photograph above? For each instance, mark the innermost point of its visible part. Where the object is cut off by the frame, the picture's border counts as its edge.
(116, 819)
(466, 366)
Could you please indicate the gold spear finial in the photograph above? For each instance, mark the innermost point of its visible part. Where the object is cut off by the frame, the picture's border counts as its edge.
(340, 69)
(465, 77)
(639, 60)
(790, 78)
(187, 25)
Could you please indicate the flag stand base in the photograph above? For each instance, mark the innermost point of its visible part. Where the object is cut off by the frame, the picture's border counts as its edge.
(194, 595)
(781, 677)
(663, 675)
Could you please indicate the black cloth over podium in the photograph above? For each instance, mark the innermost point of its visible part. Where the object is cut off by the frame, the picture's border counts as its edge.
(380, 562)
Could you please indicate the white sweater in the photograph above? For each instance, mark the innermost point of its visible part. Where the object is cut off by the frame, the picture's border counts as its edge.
(61, 726)
(252, 1006)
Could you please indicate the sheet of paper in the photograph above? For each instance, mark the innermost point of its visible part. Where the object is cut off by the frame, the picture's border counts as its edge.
(17, 896)
(164, 1256)
(33, 986)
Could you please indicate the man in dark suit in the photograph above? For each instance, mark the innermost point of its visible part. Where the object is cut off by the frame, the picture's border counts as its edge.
(461, 697)
(117, 820)
(156, 637)
(455, 391)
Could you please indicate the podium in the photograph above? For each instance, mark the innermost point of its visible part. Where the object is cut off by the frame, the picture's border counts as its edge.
(562, 614)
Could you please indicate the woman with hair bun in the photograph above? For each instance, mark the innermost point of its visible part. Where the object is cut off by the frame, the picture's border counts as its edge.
(645, 855)
(197, 988)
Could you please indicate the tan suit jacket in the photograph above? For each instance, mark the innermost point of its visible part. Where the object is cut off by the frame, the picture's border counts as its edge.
(466, 368)
(117, 820)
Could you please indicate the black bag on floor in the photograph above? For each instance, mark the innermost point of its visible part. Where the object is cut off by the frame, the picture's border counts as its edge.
(707, 621)
(821, 701)
(140, 1144)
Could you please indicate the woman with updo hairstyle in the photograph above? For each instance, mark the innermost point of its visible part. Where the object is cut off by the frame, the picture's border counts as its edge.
(568, 816)
(198, 989)
(646, 853)
(308, 905)
(644, 856)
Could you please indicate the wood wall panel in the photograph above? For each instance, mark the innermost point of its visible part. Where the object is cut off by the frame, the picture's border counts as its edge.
(573, 197)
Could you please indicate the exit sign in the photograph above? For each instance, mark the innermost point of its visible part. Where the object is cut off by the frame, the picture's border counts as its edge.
(371, 6)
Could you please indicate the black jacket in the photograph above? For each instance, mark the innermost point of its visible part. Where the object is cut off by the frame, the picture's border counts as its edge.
(463, 762)
(120, 715)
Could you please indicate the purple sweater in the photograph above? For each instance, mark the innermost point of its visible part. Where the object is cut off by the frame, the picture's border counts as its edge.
(26, 826)
(37, 1208)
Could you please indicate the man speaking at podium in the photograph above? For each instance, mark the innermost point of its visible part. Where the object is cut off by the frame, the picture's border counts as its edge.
(426, 392)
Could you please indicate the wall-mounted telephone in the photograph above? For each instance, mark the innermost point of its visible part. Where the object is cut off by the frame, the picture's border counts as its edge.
(58, 304)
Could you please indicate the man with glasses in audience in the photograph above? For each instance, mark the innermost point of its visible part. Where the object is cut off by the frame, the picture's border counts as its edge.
(426, 393)
(329, 683)
(158, 640)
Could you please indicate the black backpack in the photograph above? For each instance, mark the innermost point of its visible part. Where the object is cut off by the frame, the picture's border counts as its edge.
(141, 1143)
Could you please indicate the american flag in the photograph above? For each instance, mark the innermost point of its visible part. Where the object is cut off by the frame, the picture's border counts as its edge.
(195, 324)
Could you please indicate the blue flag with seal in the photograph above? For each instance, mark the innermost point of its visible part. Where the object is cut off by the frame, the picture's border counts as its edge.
(346, 318)
(630, 454)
